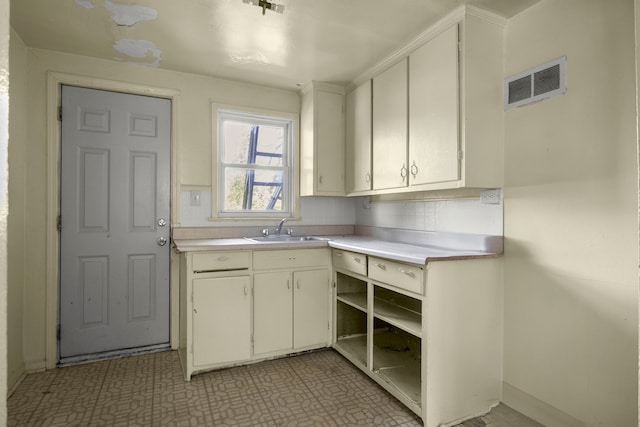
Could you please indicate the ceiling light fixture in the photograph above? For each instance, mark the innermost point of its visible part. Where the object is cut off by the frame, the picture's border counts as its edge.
(264, 4)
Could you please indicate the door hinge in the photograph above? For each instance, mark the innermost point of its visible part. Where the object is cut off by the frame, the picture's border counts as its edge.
(60, 113)
(460, 155)
(59, 223)
(328, 326)
(58, 333)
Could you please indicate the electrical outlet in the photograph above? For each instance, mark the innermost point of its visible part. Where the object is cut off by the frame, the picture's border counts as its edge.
(491, 197)
(194, 196)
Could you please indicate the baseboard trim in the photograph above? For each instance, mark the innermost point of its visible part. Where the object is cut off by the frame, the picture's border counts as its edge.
(536, 409)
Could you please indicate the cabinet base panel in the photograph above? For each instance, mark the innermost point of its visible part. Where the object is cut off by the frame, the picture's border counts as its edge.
(257, 359)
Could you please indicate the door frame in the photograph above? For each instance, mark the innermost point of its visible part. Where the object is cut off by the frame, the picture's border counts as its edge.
(55, 81)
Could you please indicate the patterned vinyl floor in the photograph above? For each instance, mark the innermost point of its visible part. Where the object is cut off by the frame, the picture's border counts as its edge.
(314, 389)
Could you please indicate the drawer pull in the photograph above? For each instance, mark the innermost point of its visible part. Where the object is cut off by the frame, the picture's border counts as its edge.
(408, 273)
(223, 258)
(381, 266)
(338, 254)
(358, 260)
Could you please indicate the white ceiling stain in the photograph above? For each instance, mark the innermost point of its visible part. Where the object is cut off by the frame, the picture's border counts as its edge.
(85, 3)
(129, 15)
(139, 49)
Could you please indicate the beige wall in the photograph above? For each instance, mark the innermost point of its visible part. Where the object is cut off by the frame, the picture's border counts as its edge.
(571, 252)
(4, 204)
(193, 141)
(16, 222)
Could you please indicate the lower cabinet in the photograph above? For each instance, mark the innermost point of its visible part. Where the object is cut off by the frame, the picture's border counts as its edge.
(430, 334)
(215, 302)
(243, 306)
(290, 310)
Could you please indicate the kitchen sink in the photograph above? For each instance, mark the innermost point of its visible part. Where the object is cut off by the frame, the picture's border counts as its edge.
(286, 238)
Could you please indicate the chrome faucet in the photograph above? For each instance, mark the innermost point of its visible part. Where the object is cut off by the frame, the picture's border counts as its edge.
(279, 226)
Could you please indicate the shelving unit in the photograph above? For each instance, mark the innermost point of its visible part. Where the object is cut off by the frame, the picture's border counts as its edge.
(380, 330)
(398, 310)
(390, 315)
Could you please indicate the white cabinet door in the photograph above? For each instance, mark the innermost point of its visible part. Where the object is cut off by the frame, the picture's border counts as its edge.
(272, 312)
(390, 168)
(221, 320)
(358, 139)
(311, 308)
(322, 141)
(434, 110)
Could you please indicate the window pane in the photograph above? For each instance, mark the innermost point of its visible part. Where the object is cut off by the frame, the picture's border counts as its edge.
(248, 143)
(255, 190)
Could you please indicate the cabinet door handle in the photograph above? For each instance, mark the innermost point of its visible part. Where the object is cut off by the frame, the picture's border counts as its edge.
(298, 284)
(320, 179)
(367, 177)
(403, 172)
(414, 169)
(408, 273)
(246, 291)
(381, 266)
(288, 284)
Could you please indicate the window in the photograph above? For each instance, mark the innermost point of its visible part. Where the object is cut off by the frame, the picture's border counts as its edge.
(255, 163)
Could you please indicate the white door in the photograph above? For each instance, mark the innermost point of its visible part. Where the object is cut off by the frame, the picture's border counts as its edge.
(221, 320)
(272, 312)
(114, 207)
(310, 308)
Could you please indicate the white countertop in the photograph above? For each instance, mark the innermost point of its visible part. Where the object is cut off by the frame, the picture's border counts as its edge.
(404, 252)
(414, 254)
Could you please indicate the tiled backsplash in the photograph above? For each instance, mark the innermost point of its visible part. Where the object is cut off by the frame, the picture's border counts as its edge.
(459, 215)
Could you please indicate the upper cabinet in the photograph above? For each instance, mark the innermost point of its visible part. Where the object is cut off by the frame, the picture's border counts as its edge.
(322, 149)
(434, 148)
(358, 139)
(438, 119)
(390, 128)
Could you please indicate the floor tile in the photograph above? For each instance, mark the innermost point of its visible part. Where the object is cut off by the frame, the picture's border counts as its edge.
(318, 388)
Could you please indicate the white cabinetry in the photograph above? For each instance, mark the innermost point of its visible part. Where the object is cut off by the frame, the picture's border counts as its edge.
(429, 334)
(438, 119)
(242, 306)
(215, 302)
(358, 139)
(215, 290)
(322, 141)
(433, 110)
(390, 128)
(291, 301)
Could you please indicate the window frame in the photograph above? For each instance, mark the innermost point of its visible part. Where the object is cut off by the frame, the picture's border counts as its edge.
(290, 163)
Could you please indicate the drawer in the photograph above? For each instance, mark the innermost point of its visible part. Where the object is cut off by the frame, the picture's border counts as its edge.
(350, 261)
(221, 261)
(290, 258)
(404, 276)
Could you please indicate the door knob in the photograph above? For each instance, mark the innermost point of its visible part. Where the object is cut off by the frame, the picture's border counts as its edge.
(161, 241)
(162, 222)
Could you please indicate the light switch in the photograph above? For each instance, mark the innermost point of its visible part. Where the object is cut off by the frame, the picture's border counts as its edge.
(195, 197)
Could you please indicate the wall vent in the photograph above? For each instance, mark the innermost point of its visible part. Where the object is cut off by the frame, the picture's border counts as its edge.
(538, 83)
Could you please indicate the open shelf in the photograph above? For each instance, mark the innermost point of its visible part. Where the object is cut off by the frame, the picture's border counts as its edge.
(351, 332)
(356, 300)
(397, 360)
(398, 310)
(398, 316)
(354, 348)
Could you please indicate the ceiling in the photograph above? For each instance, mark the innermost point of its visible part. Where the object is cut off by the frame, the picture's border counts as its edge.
(325, 40)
